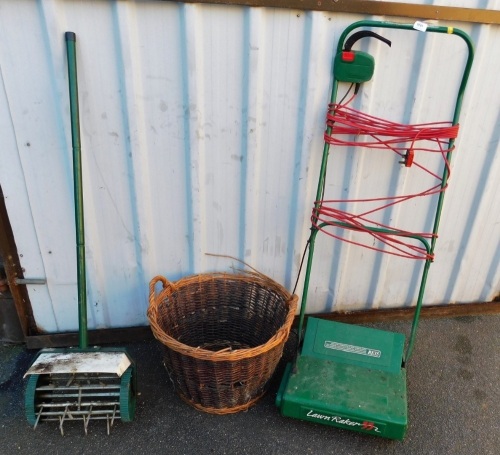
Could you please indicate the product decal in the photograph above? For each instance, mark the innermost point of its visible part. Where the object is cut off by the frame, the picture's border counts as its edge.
(365, 425)
(352, 349)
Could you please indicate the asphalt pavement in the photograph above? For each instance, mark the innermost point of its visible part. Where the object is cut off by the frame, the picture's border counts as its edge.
(454, 407)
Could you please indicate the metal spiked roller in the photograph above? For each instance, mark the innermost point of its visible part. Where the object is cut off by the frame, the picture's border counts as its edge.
(83, 383)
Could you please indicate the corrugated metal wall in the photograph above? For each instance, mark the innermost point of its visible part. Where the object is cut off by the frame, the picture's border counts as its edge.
(202, 133)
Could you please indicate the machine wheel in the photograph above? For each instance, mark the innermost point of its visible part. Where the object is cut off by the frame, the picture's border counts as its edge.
(30, 398)
(128, 395)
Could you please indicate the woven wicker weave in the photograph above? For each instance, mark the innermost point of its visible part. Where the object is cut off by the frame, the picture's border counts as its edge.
(223, 336)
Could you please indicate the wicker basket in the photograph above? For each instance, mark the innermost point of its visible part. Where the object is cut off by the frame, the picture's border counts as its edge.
(223, 335)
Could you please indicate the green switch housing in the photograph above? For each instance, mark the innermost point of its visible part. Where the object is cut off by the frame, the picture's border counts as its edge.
(357, 71)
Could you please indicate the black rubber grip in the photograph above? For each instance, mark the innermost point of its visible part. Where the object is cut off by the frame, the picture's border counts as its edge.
(70, 36)
(362, 34)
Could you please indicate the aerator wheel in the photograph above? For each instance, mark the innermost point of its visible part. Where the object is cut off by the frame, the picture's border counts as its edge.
(128, 395)
(30, 398)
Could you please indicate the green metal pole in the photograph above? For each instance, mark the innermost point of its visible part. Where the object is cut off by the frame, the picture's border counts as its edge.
(314, 231)
(78, 190)
(418, 308)
(303, 301)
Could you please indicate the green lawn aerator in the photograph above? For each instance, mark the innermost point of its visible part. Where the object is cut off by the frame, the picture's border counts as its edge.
(84, 383)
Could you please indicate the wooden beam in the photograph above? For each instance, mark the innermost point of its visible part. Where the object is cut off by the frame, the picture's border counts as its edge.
(136, 334)
(375, 8)
(402, 314)
(13, 270)
(96, 338)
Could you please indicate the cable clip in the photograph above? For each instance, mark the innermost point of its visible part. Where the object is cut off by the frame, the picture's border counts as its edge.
(408, 158)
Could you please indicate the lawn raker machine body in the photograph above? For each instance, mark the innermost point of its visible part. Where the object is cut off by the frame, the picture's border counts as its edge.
(350, 376)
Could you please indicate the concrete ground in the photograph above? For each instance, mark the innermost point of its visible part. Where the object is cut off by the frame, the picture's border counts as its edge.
(454, 407)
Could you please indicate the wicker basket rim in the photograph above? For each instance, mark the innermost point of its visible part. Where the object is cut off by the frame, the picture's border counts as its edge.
(220, 356)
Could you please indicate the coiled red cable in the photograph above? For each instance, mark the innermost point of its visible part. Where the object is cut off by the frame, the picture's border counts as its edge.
(349, 127)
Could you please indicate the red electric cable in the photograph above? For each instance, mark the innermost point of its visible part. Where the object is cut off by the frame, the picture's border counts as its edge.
(376, 133)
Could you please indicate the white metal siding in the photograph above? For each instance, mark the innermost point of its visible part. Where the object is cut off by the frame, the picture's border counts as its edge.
(202, 133)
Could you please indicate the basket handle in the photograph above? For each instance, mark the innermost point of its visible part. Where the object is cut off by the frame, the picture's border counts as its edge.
(154, 281)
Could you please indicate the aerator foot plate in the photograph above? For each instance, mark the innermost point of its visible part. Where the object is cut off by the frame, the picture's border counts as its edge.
(81, 385)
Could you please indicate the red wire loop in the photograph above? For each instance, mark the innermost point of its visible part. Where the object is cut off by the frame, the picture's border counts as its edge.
(372, 132)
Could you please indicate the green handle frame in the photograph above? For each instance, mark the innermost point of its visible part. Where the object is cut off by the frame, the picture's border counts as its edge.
(322, 176)
(70, 38)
